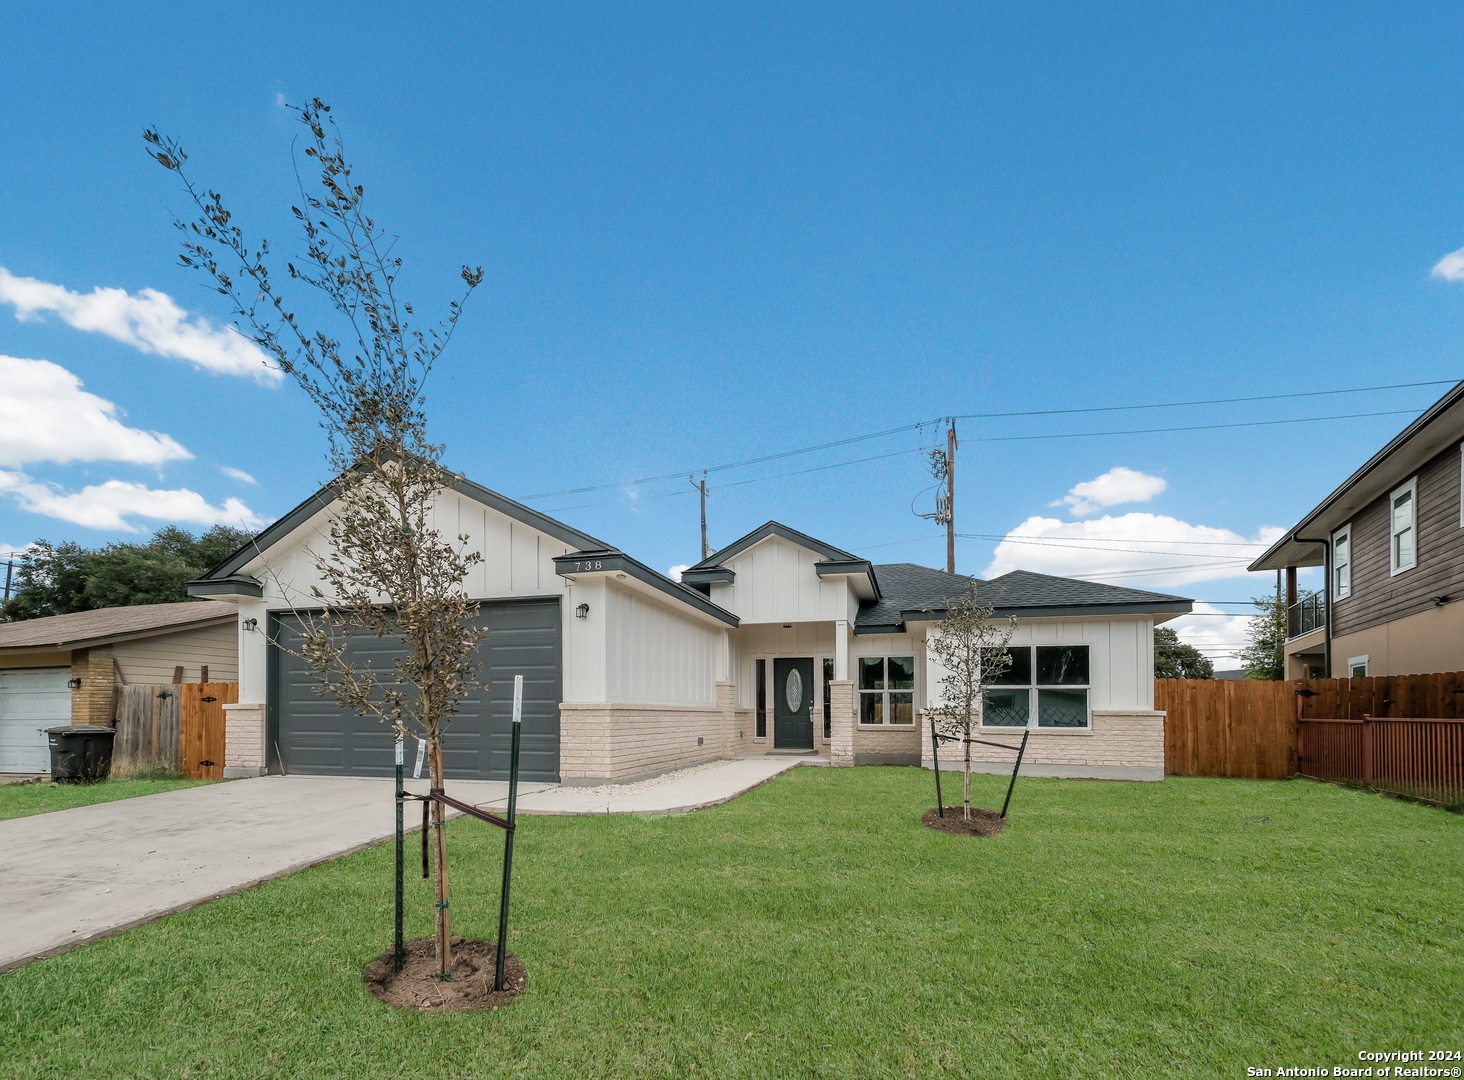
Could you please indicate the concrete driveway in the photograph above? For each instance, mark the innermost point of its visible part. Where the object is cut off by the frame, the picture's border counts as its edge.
(72, 876)
(75, 875)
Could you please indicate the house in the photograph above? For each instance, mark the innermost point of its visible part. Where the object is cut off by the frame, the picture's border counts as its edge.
(777, 643)
(1390, 541)
(65, 668)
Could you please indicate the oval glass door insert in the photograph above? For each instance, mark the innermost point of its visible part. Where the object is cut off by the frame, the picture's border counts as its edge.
(793, 690)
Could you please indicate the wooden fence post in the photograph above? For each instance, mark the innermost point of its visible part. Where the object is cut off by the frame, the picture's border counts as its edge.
(1367, 748)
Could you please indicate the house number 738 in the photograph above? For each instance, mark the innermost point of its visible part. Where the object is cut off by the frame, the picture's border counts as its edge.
(594, 565)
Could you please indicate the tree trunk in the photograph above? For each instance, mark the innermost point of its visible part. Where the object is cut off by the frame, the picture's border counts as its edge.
(444, 942)
(966, 786)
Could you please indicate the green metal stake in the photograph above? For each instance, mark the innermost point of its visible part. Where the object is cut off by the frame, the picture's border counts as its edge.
(935, 753)
(399, 956)
(513, 771)
(1020, 751)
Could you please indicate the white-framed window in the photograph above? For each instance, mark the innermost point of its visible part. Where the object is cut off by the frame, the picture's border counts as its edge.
(1402, 525)
(1045, 688)
(887, 691)
(1357, 667)
(1342, 562)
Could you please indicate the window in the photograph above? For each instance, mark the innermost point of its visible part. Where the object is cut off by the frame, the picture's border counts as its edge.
(1357, 667)
(760, 705)
(828, 709)
(1404, 546)
(1048, 682)
(1342, 562)
(887, 690)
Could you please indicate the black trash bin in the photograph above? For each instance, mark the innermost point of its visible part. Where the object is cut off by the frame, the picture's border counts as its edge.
(80, 754)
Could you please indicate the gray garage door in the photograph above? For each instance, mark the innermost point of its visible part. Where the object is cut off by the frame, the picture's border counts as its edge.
(312, 734)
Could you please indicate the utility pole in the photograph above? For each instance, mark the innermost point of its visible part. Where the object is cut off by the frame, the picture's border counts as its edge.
(702, 489)
(950, 500)
(9, 569)
(943, 468)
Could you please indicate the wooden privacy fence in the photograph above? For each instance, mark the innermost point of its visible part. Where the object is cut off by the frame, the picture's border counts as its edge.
(178, 727)
(1422, 758)
(1243, 728)
(1228, 727)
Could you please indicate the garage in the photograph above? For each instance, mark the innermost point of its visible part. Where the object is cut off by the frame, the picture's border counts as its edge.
(311, 734)
(31, 700)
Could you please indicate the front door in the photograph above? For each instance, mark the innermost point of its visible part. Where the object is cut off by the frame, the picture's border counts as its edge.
(793, 703)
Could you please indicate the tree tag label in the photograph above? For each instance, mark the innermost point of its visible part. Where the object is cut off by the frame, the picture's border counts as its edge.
(421, 754)
(399, 750)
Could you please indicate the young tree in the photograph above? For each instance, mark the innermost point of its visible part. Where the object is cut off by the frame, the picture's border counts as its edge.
(387, 571)
(971, 645)
(1175, 660)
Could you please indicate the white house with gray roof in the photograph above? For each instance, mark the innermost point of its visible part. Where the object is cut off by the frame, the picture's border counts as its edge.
(778, 643)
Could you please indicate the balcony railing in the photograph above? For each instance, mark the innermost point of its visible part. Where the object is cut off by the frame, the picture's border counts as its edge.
(1306, 615)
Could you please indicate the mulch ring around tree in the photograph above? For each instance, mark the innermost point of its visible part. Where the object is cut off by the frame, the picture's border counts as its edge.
(982, 823)
(417, 986)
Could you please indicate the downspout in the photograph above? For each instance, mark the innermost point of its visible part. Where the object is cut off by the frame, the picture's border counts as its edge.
(1327, 592)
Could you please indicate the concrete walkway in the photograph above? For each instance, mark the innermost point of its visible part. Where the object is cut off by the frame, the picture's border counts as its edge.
(76, 875)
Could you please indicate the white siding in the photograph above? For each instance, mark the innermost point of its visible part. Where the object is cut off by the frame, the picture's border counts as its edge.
(152, 660)
(517, 559)
(776, 582)
(1120, 657)
(655, 656)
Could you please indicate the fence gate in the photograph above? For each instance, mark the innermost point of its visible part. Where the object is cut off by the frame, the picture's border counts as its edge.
(147, 729)
(201, 728)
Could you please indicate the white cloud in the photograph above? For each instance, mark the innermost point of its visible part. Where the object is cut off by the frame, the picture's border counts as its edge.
(1218, 635)
(237, 474)
(148, 320)
(108, 506)
(1117, 485)
(675, 572)
(45, 415)
(1142, 550)
(1451, 266)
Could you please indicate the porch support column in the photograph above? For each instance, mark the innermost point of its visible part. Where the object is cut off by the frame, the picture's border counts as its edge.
(841, 722)
(727, 706)
(841, 649)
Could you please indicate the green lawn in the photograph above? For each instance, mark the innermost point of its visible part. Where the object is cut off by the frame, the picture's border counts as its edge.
(813, 928)
(21, 800)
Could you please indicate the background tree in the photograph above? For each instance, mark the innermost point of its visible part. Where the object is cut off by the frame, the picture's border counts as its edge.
(971, 646)
(54, 579)
(1265, 656)
(1175, 660)
(386, 571)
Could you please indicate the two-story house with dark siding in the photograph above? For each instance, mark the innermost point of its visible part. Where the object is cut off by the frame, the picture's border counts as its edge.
(1391, 541)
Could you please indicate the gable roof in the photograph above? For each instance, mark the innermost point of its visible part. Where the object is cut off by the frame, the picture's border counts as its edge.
(80, 629)
(915, 593)
(1440, 426)
(228, 571)
(774, 528)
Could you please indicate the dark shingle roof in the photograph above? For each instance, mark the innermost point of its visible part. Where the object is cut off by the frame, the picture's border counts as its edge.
(910, 590)
(109, 624)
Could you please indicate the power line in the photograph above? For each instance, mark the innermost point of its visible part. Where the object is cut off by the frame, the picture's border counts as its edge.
(1006, 415)
(1085, 547)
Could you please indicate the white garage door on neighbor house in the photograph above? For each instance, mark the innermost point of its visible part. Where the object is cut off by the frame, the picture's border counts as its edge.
(31, 700)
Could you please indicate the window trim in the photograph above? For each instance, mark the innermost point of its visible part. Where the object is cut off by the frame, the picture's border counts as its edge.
(859, 693)
(1411, 487)
(1335, 587)
(1358, 661)
(1033, 691)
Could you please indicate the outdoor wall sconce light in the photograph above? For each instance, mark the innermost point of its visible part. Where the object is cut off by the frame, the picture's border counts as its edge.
(251, 624)
(582, 612)
(73, 684)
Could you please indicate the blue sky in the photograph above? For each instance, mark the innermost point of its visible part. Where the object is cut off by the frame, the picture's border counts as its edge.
(716, 233)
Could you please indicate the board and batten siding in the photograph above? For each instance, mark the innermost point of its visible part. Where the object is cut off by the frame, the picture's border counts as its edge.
(1379, 596)
(1120, 657)
(152, 659)
(655, 656)
(776, 582)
